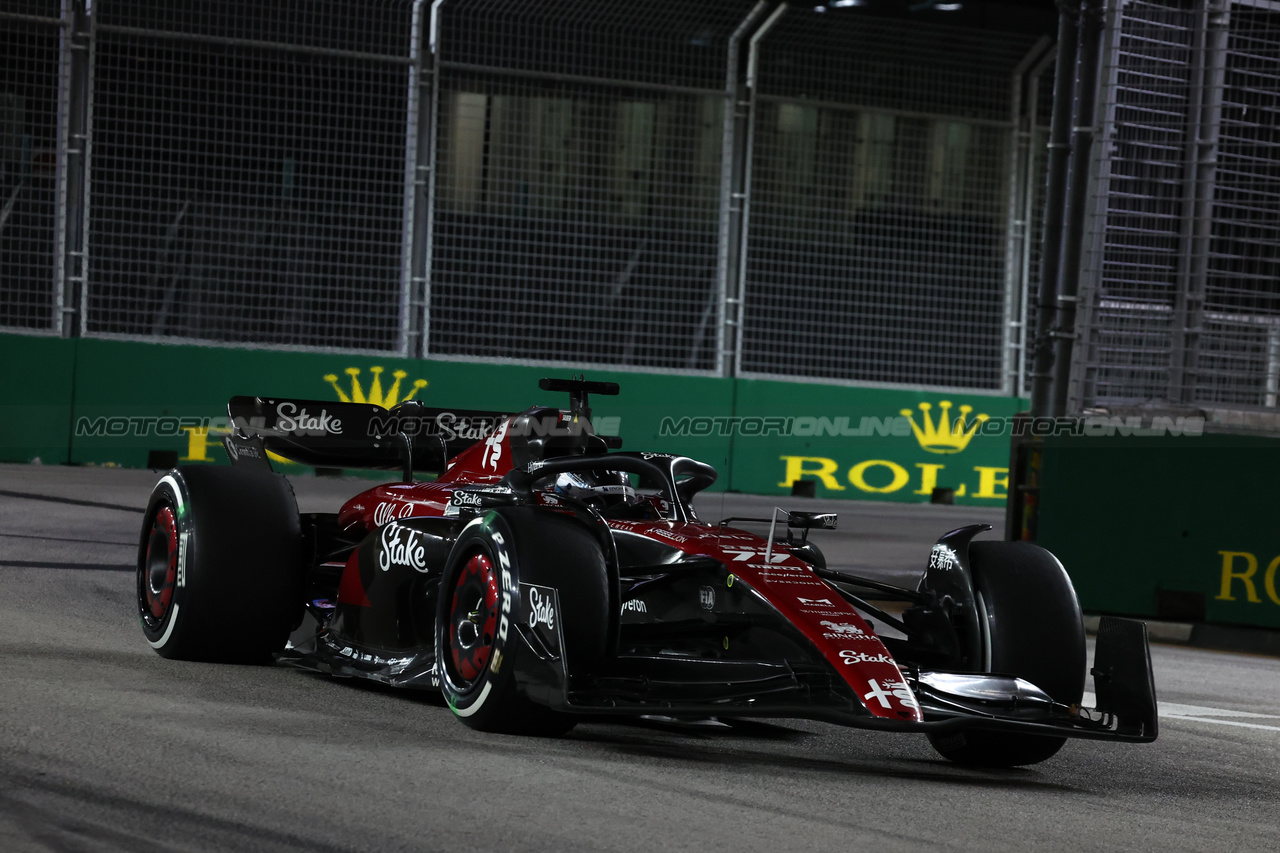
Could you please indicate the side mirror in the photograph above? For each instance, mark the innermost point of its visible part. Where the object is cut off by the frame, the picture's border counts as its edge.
(811, 520)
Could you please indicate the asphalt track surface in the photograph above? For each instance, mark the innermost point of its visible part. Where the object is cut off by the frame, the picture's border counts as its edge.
(105, 746)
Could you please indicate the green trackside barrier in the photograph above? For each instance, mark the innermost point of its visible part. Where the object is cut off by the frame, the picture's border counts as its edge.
(132, 399)
(871, 443)
(36, 385)
(130, 404)
(1178, 528)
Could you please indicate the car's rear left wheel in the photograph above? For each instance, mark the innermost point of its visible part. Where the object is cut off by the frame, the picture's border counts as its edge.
(219, 565)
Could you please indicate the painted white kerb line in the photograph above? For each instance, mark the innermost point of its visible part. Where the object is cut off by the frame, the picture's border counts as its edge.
(1202, 714)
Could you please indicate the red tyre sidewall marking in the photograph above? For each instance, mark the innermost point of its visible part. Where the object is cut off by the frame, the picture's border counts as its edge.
(478, 571)
(165, 529)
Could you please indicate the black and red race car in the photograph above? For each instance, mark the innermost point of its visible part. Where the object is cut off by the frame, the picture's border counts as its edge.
(545, 575)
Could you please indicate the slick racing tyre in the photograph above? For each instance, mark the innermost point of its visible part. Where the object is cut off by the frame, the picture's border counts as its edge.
(219, 565)
(1034, 631)
(477, 639)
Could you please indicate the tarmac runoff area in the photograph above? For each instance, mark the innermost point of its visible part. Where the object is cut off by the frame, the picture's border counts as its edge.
(103, 743)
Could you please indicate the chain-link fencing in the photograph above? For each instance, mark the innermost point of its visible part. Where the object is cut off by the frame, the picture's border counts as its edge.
(248, 171)
(1181, 297)
(887, 213)
(33, 85)
(578, 185)
(735, 187)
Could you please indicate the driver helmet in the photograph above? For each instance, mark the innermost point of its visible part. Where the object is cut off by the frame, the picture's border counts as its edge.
(599, 490)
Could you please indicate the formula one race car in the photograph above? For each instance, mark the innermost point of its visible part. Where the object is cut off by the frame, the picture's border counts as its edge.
(546, 575)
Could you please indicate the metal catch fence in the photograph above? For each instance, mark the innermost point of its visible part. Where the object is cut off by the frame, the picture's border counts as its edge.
(247, 180)
(1181, 301)
(33, 86)
(578, 182)
(733, 187)
(885, 238)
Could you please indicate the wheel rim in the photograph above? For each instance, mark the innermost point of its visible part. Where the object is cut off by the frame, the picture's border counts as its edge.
(473, 619)
(160, 567)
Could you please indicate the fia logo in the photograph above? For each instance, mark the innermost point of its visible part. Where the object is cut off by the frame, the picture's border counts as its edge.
(707, 595)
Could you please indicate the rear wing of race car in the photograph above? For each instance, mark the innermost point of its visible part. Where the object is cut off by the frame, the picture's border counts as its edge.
(324, 433)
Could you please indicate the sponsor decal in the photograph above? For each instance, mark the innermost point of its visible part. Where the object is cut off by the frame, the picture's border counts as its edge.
(815, 602)
(635, 605)
(707, 597)
(882, 690)
(401, 546)
(509, 589)
(668, 534)
(943, 558)
(788, 576)
(849, 656)
(475, 498)
(493, 447)
(747, 555)
(289, 419)
(358, 656)
(841, 630)
(182, 558)
(452, 427)
(542, 610)
(242, 449)
(386, 512)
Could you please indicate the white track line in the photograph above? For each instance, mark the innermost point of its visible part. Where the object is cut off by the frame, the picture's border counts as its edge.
(1201, 714)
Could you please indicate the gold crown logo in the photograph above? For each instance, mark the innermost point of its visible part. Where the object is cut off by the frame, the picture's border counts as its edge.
(375, 395)
(945, 436)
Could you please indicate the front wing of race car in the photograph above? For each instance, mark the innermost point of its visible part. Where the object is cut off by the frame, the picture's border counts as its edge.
(809, 688)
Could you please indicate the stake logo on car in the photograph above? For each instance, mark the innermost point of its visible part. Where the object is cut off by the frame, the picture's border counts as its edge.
(401, 546)
(541, 610)
(289, 419)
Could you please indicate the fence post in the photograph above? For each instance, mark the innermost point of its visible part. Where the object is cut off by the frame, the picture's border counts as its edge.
(734, 310)
(733, 172)
(1204, 114)
(72, 193)
(1017, 225)
(412, 249)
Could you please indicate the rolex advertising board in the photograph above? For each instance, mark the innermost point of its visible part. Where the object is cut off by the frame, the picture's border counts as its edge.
(135, 403)
(871, 443)
(1176, 528)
